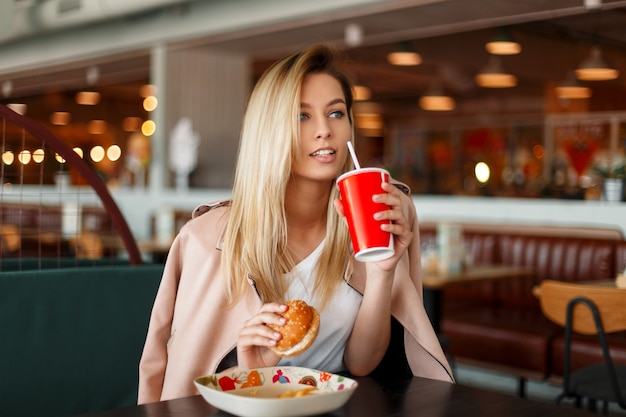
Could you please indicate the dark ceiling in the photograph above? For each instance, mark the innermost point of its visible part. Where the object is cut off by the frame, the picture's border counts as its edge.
(450, 36)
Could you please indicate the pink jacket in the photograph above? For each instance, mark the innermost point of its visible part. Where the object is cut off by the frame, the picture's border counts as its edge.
(191, 328)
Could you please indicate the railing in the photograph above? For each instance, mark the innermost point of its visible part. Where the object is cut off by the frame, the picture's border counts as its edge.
(56, 215)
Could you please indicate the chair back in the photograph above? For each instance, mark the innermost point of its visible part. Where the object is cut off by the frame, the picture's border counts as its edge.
(554, 297)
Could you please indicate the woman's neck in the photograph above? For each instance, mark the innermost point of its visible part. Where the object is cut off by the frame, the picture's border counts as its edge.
(306, 207)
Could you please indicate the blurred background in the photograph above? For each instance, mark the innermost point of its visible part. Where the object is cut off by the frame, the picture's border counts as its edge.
(455, 114)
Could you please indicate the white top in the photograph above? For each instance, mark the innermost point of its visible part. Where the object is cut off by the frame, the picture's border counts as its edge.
(336, 320)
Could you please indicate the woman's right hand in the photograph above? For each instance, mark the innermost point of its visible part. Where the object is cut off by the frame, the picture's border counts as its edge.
(256, 338)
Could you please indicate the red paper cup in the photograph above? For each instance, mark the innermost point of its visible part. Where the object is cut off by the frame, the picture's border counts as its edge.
(369, 241)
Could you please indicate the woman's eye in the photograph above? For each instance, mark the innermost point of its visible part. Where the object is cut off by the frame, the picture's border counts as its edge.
(337, 114)
(303, 117)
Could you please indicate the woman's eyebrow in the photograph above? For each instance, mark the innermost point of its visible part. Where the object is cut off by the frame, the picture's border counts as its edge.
(330, 103)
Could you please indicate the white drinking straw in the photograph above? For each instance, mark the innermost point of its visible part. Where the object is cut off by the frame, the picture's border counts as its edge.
(353, 154)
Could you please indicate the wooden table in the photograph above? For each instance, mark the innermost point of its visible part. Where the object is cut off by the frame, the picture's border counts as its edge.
(608, 283)
(434, 283)
(407, 398)
(604, 283)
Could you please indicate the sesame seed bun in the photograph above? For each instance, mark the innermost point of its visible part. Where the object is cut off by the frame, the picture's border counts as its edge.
(300, 330)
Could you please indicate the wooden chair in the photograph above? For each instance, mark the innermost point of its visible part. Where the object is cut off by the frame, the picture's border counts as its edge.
(589, 310)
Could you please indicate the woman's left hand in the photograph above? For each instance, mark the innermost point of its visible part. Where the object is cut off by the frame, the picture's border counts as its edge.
(398, 215)
(400, 206)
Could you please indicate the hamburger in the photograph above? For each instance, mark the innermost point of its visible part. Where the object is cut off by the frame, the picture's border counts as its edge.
(300, 329)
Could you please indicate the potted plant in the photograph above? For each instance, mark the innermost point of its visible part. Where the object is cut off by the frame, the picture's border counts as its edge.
(611, 170)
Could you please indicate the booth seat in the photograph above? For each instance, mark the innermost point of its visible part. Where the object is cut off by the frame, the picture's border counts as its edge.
(72, 337)
(498, 324)
(585, 349)
(48, 262)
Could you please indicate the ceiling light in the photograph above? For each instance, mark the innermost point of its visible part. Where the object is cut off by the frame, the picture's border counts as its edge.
(361, 93)
(8, 157)
(435, 100)
(570, 88)
(24, 157)
(150, 103)
(97, 127)
(114, 152)
(594, 68)
(97, 153)
(148, 127)
(437, 103)
(503, 44)
(370, 124)
(60, 118)
(39, 155)
(494, 76)
(368, 118)
(404, 56)
(88, 98)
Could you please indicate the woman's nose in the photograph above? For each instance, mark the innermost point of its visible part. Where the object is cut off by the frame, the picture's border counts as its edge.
(323, 130)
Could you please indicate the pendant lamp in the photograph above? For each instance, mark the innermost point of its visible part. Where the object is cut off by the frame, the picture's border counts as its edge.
(404, 55)
(503, 43)
(595, 68)
(494, 76)
(89, 97)
(570, 88)
(361, 93)
(434, 99)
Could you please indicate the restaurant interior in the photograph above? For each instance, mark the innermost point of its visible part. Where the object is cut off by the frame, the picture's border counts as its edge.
(545, 134)
(506, 118)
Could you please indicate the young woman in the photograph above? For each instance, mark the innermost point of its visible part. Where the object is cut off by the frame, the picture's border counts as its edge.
(282, 236)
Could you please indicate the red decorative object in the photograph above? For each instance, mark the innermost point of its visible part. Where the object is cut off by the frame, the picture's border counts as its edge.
(580, 153)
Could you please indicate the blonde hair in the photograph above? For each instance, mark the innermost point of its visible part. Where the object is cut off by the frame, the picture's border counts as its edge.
(255, 241)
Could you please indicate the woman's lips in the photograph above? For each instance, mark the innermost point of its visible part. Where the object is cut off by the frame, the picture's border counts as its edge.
(324, 155)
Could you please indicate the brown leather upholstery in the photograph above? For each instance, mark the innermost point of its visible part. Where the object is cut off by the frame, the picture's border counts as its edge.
(585, 351)
(499, 324)
(620, 256)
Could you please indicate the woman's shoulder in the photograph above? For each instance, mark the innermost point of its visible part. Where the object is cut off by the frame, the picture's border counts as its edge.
(207, 221)
(205, 208)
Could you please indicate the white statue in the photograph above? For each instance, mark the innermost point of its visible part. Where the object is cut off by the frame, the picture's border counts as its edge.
(183, 155)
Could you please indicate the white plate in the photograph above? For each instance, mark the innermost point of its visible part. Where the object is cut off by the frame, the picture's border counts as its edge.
(254, 392)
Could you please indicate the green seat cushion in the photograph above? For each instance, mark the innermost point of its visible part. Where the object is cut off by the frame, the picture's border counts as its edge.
(73, 337)
(18, 264)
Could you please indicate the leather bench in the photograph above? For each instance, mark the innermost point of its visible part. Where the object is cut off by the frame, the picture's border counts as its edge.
(498, 324)
(73, 337)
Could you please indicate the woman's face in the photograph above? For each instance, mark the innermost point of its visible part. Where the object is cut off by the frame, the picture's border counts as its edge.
(324, 129)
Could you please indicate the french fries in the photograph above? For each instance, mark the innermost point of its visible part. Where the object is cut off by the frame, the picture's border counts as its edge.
(298, 393)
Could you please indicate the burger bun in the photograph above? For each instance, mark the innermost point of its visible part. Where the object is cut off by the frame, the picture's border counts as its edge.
(300, 330)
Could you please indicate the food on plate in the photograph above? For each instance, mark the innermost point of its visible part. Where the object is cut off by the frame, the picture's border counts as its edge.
(297, 393)
(300, 330)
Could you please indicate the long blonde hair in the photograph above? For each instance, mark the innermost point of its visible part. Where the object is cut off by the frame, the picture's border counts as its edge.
(255, 241)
